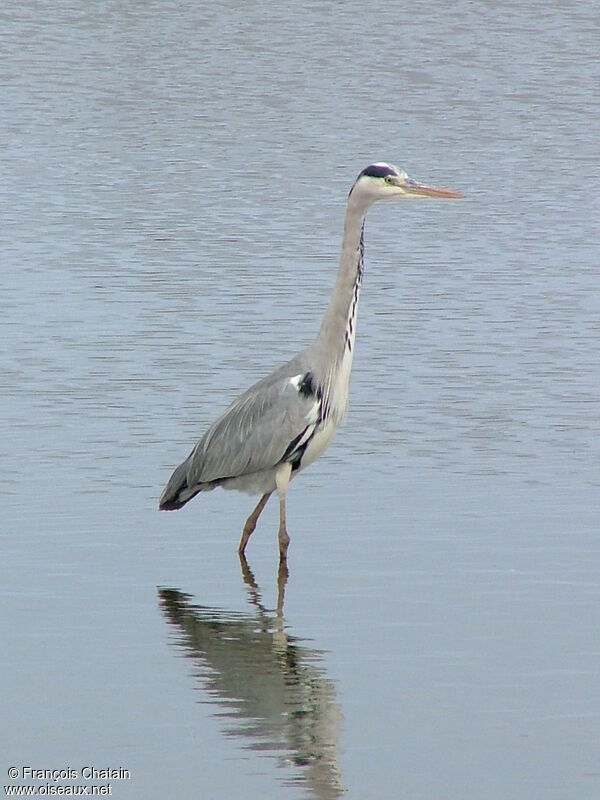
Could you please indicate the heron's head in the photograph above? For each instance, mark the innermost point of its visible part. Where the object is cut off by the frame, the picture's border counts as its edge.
(385, 182)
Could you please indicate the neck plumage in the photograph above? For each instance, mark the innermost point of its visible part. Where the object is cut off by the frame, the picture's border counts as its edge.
(338, 327)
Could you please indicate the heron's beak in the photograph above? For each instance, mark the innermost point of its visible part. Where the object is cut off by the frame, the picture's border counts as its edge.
(422, 190)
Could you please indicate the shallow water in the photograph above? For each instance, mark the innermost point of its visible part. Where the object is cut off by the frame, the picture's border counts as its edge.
(174, 183)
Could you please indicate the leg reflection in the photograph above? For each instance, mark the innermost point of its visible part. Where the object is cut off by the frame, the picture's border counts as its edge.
(272, 688)
(283, 574)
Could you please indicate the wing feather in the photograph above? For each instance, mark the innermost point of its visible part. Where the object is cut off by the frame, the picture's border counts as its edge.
(254, 433)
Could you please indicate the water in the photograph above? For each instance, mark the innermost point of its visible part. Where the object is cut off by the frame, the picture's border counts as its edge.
(174, 181)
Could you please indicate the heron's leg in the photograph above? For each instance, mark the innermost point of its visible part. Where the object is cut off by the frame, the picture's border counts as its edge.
(251, 522)
(282, 479)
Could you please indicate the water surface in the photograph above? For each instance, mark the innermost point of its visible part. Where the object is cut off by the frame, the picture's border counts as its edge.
(174, 180)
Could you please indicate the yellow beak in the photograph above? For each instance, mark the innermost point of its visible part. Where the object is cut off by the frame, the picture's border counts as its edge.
(422, 190)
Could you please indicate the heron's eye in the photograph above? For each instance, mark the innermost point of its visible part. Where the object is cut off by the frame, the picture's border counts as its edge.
(388, 179)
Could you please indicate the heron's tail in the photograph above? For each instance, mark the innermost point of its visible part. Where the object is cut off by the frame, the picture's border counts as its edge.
(177, 492)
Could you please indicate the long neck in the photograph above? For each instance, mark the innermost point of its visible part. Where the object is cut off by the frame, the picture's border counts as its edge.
(338, 327)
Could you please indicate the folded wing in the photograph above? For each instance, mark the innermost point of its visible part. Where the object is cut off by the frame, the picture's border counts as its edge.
(263, 427)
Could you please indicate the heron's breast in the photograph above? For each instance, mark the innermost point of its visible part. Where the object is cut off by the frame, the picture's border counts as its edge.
(319, 442)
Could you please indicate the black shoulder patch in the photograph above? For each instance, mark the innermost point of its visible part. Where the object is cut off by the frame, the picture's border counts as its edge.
(307, 386)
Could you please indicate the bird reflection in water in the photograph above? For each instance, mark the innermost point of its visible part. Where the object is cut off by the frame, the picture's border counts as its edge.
(272, 690)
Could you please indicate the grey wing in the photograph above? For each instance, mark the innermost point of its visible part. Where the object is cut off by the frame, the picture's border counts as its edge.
(255, 432)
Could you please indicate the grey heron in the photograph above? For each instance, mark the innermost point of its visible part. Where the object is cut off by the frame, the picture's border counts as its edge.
(286, 420)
